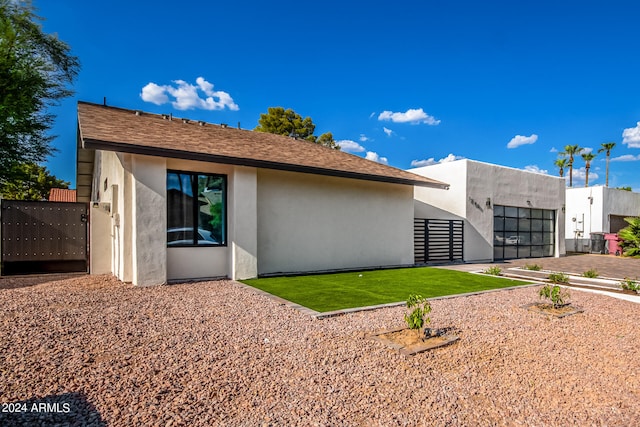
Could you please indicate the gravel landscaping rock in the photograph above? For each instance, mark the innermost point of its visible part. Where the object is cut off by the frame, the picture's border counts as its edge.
(90, 350)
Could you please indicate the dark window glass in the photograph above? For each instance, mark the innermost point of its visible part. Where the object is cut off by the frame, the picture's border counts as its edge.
(548, 225)
(536, 225)
(510, 252)
(511, 224)
(511, 212)
(524, 252)
(199, 220)
(523, 232)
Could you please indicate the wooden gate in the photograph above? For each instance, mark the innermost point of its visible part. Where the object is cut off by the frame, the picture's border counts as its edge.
(437, 240)
(43, 237)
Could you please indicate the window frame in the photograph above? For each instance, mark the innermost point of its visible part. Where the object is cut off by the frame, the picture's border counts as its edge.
(195, 208)
(507, 220)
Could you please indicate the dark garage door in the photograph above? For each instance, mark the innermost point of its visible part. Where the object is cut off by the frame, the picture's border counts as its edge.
(43, 237)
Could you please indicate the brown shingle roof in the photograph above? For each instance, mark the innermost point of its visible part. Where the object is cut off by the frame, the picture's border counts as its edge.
(62, 195)
(117, 129)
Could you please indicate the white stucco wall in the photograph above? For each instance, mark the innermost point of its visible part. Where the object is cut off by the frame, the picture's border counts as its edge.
(110, 251)
(149, 220)
(100, 241)
(472, 184)
(312, 223)
(276, 222)
(243, 229)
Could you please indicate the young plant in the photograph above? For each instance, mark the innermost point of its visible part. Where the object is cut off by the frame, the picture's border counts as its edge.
(630, 285)
(557, 295)
(493, 270)
(558, 278)
(592, 273)
(533, 267)
(418, 318)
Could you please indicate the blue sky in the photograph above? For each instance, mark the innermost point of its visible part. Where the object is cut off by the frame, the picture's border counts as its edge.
(407, 83)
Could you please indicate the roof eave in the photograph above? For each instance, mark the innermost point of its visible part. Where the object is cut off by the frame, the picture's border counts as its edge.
(89, 143)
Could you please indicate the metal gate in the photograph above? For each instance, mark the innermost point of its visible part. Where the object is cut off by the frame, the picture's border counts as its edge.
(437, 240)
(43, 237)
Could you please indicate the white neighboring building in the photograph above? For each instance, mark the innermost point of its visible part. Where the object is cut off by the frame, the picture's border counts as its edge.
(596, 209)
(508, 213)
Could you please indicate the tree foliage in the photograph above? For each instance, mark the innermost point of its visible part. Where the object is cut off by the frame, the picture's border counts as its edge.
(630, 236)
(561, 163)
(607, 147)
(289, 123)
(570, 151)
(587, 157)
(35, 71)
(30, 182)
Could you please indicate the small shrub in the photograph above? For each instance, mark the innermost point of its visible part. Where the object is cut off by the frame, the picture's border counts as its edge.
(557, 295)
(630, 285)
(418, 318)
(558, 278)
(592, 274)
(493, 270)
(533, 267)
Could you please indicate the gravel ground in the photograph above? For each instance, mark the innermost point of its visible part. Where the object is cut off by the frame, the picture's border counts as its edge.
(94, 351)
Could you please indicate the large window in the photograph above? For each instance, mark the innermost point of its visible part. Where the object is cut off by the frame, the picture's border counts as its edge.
(196, 209)
(523, 232)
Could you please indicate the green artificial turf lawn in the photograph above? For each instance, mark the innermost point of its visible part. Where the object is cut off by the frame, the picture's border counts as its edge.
(328, 292)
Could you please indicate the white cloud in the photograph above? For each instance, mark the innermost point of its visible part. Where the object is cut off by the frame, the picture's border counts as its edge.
(536, 169)
(187, 96)
(154, 94)
(631, 136)
(626, 158)
(350, 146)
(553, 150)
(413, 116)
(364, 138)
(586, 150)
(376, 158)
(579, 176)
(432, 161)
(389, 132)
(372, 115)
(519, 140)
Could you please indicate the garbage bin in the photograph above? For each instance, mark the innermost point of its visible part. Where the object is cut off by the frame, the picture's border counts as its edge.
(597, 243)
(612, 246)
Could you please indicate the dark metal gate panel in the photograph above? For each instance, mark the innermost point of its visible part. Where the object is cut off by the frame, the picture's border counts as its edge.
(44, 232)
(437, 240)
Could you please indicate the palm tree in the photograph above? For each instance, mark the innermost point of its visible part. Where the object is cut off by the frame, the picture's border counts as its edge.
(571, 150)
(607, 147)
(561, 163)
(587, 157)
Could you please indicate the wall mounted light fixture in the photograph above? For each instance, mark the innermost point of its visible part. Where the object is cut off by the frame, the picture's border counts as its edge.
(488, 204)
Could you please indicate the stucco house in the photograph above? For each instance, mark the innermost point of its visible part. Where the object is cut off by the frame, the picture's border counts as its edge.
(597, 210)
(507, 213)
(176, 199)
